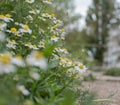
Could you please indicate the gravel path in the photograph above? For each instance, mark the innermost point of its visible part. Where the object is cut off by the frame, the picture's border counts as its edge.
(105, 87)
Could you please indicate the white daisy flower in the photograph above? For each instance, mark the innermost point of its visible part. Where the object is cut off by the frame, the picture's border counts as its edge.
(3, 26)
(34, 75)
(80, 67)
(37, 59)
(2, 36)
(18, 61)
(30, 1)
(47, 1)
(11, 44)
(54, 38)
(6, 65)
(6, 18)
(25, 29)
(23, 90)
(41, 44)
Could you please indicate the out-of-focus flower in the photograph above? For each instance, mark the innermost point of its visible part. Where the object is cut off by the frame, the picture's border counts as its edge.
(65, 62)
(6, 18)
(6, 65)
(18, 61)
(13, 30)
(46, 15)
(54, 38)
(23, 90)
(28, 102)
(41, 44)
(36, 58)
(34, 47)
(80, 67)
(30, 1)
(34, 75)
(2, 36)
(11, 44)
(61, 50)
(25, 29)
(35, 11)
(47, 1)
(3, 25)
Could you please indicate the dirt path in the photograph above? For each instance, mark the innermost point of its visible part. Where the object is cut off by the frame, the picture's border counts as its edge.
(105, 87)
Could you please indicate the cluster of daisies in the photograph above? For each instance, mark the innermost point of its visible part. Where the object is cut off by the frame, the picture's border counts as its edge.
(14, 36)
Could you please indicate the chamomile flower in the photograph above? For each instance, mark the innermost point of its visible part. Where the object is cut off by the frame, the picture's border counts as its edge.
(34, 11)
(23, 90)
(30, 1)
(6, 18)
(80, 67)
(6, 65)
(2, 26)
(25, 29)
(65, 62)
(18, 61)
(2, 36)
(47, 1)
(13, 30)
(61, 50)
(36, 58)
(34, 75)
(54, 38)
(46, 15)
(11, 44)
(41, 44)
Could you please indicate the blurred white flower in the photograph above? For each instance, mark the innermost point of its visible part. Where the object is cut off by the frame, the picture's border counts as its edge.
(61, 50)
(34, 75)
(6, 18)
(36, 58)
(11, 44)
(18, 61)
(23, 90)
(41, 44)
(2, 36)
(25, 29)
(30, 1)
(2, 26)
(35, 11)
(80, 67)
(6, 65)
(47, 1)
(54, 38)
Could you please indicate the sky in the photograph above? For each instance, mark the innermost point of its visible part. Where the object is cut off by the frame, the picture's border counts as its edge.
(81, 8)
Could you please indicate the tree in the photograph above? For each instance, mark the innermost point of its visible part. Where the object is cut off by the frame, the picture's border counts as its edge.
(98, 21)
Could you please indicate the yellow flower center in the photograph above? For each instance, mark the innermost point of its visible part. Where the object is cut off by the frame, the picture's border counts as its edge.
(13, 30)
(38, 55)
(8, 15)
(54, 27)
(19, 57)
(5, 58)
(62, 63)
(53, 15)
(34, 46)
(46, 14)
(67, 60)
(63, 30)
(13, 41)
(0, 24)
(81, 66)
(53, 36)
(2, 16)
(26, 27)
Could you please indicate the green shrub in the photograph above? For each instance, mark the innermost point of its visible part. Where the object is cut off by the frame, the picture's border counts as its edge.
(113, 72)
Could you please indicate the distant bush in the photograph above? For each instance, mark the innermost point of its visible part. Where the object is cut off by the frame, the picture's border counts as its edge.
(113, 72)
